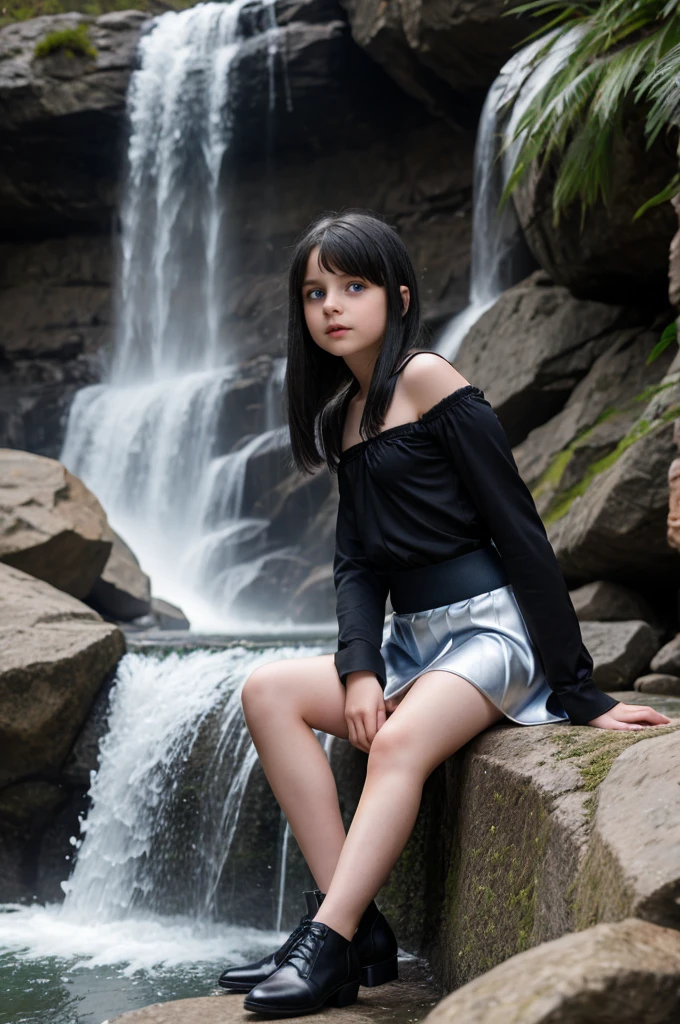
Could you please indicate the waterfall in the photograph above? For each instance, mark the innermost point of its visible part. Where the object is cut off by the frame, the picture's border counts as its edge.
(136, 856)
(500, 256)
(158, 441)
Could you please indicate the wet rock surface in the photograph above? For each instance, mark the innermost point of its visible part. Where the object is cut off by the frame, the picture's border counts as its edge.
(408, 999)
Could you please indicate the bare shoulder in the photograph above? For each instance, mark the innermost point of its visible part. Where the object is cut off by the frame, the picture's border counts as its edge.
(427, 378)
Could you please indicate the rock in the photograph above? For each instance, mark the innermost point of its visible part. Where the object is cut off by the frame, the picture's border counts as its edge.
(55, 321)
(122, 591)
(656, 682)
(620, 651)
(436, 48)
(600, 411)
(612, 523)
(168, 616)
(502, 830)
(530, 349)
(632, 866)
(667, 659)
(611, 256)
(73, 107)
(602, 601)
(407, 999)
(54, 655)
(624, 973)
(51, 525)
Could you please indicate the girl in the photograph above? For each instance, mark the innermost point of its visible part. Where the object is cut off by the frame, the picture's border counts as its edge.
(432, 510)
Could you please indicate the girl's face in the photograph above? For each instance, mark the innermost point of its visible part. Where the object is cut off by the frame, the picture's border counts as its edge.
(344, 314)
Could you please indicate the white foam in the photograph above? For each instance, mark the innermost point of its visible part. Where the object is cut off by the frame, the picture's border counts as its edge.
(136, 944)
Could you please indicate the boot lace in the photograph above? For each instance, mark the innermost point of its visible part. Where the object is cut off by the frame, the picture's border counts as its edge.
(293, 938)
(303, 952)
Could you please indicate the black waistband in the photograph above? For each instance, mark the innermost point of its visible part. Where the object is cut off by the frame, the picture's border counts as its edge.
(456, 579)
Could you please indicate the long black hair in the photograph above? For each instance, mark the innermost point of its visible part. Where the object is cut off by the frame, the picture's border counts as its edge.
(319, 385)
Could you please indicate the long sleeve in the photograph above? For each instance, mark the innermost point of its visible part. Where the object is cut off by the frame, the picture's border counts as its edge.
(360, 597)
(473, 437)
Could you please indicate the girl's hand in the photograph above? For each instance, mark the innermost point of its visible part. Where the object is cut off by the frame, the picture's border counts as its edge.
(629, 716)
(364, 708)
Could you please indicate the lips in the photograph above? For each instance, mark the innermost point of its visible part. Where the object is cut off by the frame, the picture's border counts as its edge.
(336, 328)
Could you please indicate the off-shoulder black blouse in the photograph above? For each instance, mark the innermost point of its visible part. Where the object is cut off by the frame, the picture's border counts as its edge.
(443, 485)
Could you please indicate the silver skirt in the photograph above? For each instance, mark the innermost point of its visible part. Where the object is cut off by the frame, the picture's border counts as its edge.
(483, 639)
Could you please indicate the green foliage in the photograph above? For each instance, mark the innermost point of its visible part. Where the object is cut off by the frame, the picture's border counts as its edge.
(620, 52)
(71, 41)
(668, 336)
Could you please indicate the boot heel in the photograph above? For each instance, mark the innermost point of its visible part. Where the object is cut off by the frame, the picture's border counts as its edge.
(345, 995)
(378, 974)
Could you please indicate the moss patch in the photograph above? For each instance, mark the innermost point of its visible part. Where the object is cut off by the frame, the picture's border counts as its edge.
(643, 428)
(550, 479)
(595, 754)
(70, 41)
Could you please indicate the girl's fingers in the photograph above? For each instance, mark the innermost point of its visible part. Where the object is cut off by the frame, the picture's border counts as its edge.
(361, 732)
(381, 717)
(642, 713)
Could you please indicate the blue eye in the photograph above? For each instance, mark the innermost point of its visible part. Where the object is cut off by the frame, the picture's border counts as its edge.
(310, 294)
(356, 284)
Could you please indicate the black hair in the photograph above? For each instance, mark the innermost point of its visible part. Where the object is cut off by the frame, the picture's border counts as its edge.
(319, 385)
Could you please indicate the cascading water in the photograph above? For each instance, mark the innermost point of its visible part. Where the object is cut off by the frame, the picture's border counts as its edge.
(153, 441)
(500, 256)
(166, 802)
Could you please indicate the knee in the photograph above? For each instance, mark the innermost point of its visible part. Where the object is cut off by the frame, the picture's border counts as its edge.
(391, 748)
(258, 691)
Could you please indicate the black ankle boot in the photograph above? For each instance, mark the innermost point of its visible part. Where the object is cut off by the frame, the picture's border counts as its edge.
(321, 969)
(375, 943)
(246, 976)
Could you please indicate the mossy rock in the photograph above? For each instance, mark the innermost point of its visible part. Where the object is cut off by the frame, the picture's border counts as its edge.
(72, 42)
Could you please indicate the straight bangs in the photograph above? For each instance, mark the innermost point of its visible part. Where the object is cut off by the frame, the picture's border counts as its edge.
(343, 249)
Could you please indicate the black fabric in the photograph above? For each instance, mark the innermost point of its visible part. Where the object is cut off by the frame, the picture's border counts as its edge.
(430, 490)
(454, 579)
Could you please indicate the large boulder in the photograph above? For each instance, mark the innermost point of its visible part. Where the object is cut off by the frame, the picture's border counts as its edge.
(533, 346)
(51, 525)
(632, 867)
(610, 255)
(600, 411)
(625, 973)
(612, 522)
(122, 591)
(621, 651)
(435, 49)
(502, 832)
(54, 655)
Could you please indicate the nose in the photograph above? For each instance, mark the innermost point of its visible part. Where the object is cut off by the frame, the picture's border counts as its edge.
(332, 303)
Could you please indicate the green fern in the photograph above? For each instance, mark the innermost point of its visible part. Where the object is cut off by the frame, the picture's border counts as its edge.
(623, 52)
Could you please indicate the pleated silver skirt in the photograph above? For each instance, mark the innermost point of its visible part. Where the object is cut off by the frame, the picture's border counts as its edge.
(484, 640)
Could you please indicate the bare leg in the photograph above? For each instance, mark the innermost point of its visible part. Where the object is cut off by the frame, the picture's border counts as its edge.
(282, 700)
(437, 716)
